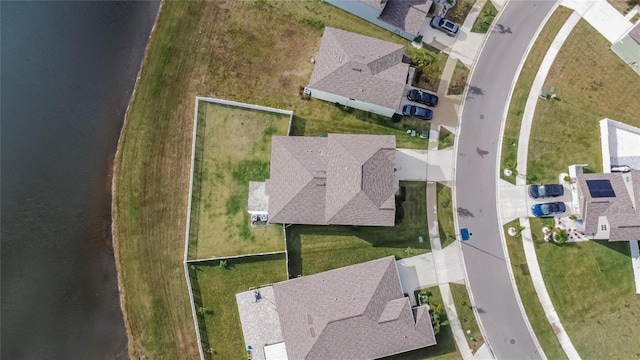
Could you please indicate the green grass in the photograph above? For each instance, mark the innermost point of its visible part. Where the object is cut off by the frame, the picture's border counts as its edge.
(445, 215)
(217, 288)
(445, 349)
(466, 315)
(459, 12)
(233, 147)
(459, 79)
(529, 298)
(592, 289)
(635, 18)
(592, 83)
(313, 249)
(429, 63)
(523, 86)
(446, 138)
(484, 20)
(254, 52)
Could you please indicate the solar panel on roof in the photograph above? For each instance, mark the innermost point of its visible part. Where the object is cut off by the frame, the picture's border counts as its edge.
(600, 188)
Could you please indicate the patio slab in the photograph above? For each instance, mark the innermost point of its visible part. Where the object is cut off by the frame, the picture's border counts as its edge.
(259, 320)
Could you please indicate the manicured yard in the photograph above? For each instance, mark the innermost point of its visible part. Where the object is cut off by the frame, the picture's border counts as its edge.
(218, 287)
(459, 12)
(459, 79)
(446, 139)
(466, 315)
(592, 83)
(313, 249)
(254, 52)
(429, 63)
(445, 349)
(535, 313)
(592, 288)
(233, 147)
(445, 215)
(484, 20)
(523, 87)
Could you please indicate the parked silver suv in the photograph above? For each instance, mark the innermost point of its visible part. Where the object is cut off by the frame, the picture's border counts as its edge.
(445, 25)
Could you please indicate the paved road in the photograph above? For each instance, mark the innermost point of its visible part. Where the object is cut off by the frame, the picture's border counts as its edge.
(476, 178)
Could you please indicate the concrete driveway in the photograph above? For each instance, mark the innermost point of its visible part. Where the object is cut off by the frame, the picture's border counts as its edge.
(411, 165)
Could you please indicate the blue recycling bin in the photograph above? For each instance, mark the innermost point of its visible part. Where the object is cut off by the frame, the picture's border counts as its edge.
(465, 234)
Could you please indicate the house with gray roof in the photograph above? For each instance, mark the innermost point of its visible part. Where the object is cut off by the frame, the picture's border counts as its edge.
(340, 179)
(628, 48)
(359, 72)
(402, 17)
(354, 312)
(609, 205)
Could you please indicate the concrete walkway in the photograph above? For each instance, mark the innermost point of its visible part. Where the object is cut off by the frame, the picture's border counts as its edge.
(635, 263)
(602, 16)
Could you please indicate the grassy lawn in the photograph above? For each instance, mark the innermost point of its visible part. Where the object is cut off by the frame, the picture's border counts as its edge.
(445, 215)
(233, 147)
(466, 315)
(622, 6)
(523, 86)
(446, 139)
(313, 249)
(592, 83)
(635, 18)
(459, 12)
(445, 349)
(592, 288)
(217, 288)
(484, 20)
(459, 79)
(429, 63)
(535, 313)
(255, 52)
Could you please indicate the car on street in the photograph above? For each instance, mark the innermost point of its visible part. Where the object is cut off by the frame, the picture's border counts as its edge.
(417, 112)
(422, 97)
(548, 209)
(545, 191)
(444, 25)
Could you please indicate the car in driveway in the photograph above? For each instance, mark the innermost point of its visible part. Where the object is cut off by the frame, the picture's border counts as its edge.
(548, 209)
(422, 97)
(417, 112)
(444, 25)
(545, 191)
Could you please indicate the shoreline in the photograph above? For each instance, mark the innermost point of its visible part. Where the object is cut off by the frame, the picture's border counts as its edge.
(114, 176)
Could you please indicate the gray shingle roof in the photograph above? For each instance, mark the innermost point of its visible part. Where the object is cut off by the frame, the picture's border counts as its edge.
(621, 210)
(635, 33)
(355, 312)
(406, 14)
(360, 67)
(341, 179)
(376, 4)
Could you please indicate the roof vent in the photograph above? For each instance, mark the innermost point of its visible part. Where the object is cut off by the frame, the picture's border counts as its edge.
(357, 69)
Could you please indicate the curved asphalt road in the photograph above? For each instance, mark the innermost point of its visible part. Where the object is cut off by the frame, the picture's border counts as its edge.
(476, 178)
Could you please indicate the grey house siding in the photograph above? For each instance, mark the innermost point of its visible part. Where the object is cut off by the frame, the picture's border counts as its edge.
(356, 104)
(629, 51)
(369, 14)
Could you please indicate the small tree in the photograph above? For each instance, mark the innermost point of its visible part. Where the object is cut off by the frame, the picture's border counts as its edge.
(223, 264)
(560, 236)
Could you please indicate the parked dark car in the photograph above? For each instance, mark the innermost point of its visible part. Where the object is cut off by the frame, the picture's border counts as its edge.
(545, 191)
(548, 209)
(422, 97)
(417, 112)
(444, 25)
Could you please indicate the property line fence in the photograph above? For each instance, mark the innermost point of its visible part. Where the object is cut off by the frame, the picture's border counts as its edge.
(193, 218)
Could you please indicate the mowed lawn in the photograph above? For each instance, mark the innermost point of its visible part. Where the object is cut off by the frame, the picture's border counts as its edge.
(313, 249)
(218, 287)
(592, 83)
(466, 316)
(233, 147)
(592, 288)
(521, 91)
(250, 51)
(446, 228)
(533, 308)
